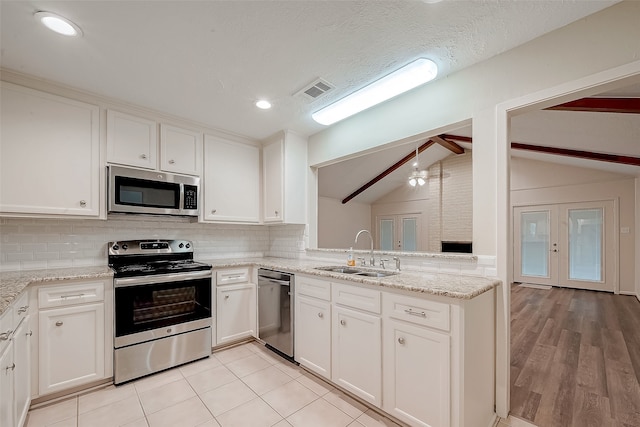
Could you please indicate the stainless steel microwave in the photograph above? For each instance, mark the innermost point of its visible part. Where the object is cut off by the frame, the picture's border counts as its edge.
(140, 191)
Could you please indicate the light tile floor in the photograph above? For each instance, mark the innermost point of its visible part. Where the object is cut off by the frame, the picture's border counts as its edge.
(244, 386)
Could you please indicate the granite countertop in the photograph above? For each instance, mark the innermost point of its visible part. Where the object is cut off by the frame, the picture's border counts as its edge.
(447, 285)
(12, 283)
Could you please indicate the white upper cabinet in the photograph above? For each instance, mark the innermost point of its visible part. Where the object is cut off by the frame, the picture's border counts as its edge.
(180, 150)
(50, 161)
(131, 140)
(284, 171)
(231, 181)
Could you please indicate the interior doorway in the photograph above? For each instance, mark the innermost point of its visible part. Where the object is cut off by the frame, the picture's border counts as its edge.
(570, 245)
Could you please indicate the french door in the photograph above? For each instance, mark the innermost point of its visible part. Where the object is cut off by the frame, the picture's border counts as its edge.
(399, 232)
(570, 245)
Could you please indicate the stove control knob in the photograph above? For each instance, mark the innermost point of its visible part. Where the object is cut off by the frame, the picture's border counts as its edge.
(181, 245)
(125, 247)
(115, 247)
(188, 246)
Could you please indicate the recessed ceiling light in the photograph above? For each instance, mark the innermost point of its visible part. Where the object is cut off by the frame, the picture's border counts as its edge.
(263, 104)
(406, 78)
(57, 23)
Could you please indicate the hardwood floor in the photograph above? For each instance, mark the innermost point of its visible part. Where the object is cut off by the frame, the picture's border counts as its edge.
(575, 358)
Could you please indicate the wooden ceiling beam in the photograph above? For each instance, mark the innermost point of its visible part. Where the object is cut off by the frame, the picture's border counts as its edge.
(601, 105)
(389, 170)
(457, 138)
(611, 158)
(449, 145)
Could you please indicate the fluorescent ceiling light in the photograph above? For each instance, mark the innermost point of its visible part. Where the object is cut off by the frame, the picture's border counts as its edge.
(57, 23)
(406, 78)
(263, 104)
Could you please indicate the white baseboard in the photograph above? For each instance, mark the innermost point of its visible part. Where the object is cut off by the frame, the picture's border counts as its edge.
(534, 286)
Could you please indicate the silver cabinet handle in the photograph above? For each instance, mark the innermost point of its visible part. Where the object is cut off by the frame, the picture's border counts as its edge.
(276, 213)
(343, 323)
(12, 367)
(83, 204)
(143, 156)
(23, 309)
(416, 313)
(72, 296)
(226, 297)
(5, 335)
(214, 211)
(171, 161)
(320, 315)
(59, 323)
(29, 333)
(401, 340)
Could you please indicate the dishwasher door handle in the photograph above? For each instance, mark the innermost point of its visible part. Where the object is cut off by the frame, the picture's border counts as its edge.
(273, 281)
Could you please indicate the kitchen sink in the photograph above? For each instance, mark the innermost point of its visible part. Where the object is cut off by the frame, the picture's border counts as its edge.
(357, 271)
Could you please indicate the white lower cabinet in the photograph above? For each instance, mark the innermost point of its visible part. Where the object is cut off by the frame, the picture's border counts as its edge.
(6, 386)
(416, 374)
(357, 344)
(235, 306)
(71, 346)
(22, 373)
(313, 334)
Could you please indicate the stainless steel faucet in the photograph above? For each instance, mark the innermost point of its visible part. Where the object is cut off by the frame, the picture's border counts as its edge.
(372, 260)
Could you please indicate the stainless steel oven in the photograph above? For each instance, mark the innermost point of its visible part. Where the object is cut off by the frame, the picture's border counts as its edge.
(162, 304)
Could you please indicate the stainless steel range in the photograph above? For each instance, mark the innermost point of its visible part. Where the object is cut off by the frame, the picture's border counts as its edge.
(162, 302)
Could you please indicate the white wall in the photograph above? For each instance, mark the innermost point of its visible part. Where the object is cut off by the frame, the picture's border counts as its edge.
(338, 224)
(535, 182)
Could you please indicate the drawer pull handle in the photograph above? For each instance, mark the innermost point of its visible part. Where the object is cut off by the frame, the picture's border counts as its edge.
(416, 313)
(29, 333)
(320, 315)
(343, 323)
(59, 323)
(226, 297)
(171, 162)
(12, 367)
(237, 276)
(401, 340)
(5, 335)
(72, 296)
(23, 309)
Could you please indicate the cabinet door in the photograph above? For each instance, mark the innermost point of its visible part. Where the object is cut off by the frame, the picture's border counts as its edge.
(50, 161)
(236, 312)
(273, 175)
(356, 361)
(231, 181)
(416, 374)
(131, 140)
(71, 346)
(22, 373)
(313, 335)
(180, 150)
(6, 386)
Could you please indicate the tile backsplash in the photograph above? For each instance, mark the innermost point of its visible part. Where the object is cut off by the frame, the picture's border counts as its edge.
(27, 244)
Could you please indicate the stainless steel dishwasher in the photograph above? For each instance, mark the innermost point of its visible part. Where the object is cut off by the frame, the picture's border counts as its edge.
(275, 310)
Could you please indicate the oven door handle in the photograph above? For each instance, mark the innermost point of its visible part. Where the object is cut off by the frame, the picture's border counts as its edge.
(160, 278)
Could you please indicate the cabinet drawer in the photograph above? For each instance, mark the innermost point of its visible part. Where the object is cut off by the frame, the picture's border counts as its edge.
(416, 310)
(316, 288)
(228, 277)
(60, 296)
(352, 296)
(20, 309)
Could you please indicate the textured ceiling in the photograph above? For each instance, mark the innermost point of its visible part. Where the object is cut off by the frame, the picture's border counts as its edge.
(208, 61)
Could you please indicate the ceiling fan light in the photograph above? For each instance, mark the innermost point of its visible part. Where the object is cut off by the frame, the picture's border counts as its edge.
(406, 78)
(413, 182)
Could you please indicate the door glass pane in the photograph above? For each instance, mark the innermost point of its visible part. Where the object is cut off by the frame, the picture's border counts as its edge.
(409, 234)
(535, 243)
(585, 244)
(386, 234)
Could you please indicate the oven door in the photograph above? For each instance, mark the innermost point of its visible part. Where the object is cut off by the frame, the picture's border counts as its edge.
(151, 307)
